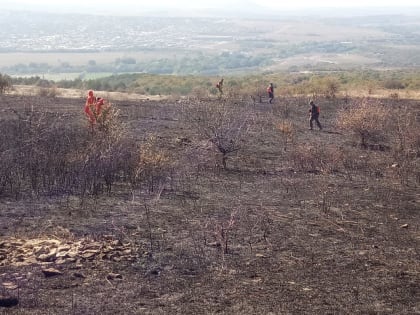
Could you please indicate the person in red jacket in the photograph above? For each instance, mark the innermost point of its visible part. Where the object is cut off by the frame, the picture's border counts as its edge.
(100, 102)
(89, 107)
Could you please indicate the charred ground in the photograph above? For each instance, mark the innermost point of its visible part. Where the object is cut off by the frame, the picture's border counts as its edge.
(312, 225)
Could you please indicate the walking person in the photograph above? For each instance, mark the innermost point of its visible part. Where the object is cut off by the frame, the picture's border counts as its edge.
(219, 86)
(90, 107)
(100, 103)
(270, 91)
(314, 112)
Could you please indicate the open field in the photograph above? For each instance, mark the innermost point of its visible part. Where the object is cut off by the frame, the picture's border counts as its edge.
(299, 222)
(205, 45)
(28, 90)
(77, 59)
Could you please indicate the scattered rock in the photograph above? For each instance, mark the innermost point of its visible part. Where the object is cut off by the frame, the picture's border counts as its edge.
(60, 261)
(43, 251)
(7, 301)
(79, 275)
(72, 254)
(93, 246)
(89, 254)
(51, 272)
(16, 243)
(127, 252)
(116, 243)
(62, 254)
(47, 257)
(63, 248)
(113, 276)
(182, 140)
(10, 285)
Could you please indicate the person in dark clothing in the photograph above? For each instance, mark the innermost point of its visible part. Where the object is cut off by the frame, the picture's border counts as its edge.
(219, 86)
(270, 91)
(314, 112)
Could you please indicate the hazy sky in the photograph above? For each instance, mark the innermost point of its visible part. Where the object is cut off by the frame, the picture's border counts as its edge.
(200, 4)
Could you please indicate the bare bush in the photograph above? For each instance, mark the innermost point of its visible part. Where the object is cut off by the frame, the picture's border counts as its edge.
(330, 87)
(317, 159)
(287, 130)
(366, 118)
(48, 92)
(5, 83)
(154, 165)
(200, 157)
(393, 84)
(48, 153)
(406, 143)
(327, 87)
(224, 123)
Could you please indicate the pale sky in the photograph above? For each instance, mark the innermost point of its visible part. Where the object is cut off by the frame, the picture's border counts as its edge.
(223, 3)
(200, 4)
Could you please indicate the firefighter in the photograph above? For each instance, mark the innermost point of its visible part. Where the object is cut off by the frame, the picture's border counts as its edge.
(270, 91)
(314, 115)
(90, 107)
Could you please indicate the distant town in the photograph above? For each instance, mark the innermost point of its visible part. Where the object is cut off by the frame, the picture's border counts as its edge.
(205, 45)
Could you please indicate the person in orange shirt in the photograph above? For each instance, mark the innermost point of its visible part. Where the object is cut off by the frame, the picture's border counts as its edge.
(89, 105)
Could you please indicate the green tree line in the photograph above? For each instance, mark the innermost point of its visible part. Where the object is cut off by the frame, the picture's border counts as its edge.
(326, 83)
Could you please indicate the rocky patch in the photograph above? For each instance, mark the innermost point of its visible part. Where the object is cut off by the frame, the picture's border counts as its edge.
(44, 251)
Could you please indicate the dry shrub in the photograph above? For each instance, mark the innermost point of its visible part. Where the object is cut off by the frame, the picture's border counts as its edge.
(111, 154)
(393, 84)
(316, 159)
(394, 96)
(200, 157)
(327, 87)
(154, 165)
(405, 142)
(223, 123)
(366, 118)
(5, 83)
(50, 153)
(287, 130)
(108, 121)
(48, 92)
(371, 164)
(285, 127)
(199, 93)
(330, 87)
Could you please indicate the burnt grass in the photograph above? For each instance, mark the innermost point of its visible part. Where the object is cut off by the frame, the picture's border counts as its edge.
(268, 235)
